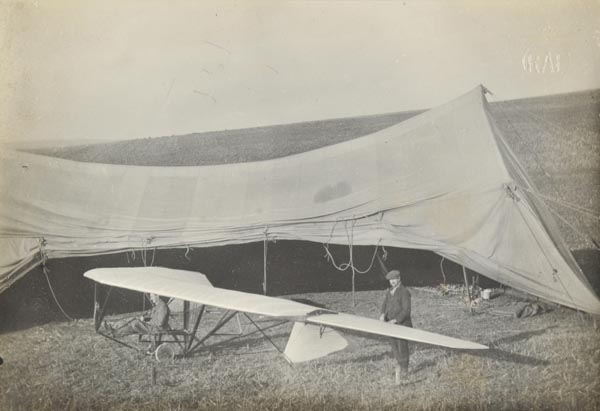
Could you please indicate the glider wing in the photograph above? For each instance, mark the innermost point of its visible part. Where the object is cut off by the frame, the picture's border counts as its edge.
(195, 287)
(371, 326)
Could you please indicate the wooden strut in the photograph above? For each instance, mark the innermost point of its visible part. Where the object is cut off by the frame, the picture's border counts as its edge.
(100, 317)
(98, 321)
(193, 333)
(190, 336)
(228, 316)
(268, 339)
(249, 333)
(224, 320)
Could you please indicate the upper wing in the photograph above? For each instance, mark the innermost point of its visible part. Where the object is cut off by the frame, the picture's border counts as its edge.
(195, 287)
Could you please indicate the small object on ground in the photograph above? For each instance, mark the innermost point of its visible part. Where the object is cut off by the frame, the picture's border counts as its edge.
(529, 310)
(486, 294)
(109, 329)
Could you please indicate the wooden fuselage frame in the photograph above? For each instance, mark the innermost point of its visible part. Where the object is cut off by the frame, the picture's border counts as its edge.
(188, 339)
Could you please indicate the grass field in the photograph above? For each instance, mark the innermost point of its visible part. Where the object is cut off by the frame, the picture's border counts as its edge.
(549, 361)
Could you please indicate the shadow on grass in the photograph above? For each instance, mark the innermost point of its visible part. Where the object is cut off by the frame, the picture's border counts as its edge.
(424, 365)
(412, 382)
(364, 358)
(493, 352)
(521, 336)
(501, 355)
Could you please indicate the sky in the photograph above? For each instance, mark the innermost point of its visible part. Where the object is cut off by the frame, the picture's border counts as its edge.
(93, 70)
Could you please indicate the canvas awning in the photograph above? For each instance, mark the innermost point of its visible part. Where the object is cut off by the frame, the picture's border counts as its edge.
(444, 180)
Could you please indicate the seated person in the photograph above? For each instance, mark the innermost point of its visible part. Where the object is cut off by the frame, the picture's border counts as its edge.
(157, 319)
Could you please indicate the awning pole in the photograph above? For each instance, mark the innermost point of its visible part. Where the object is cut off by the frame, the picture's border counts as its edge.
(353, 297)
(95, 301)
(265, 244)
(467, 287)
(186, 321)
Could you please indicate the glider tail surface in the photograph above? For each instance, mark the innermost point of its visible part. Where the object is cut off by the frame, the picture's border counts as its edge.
(308, 342)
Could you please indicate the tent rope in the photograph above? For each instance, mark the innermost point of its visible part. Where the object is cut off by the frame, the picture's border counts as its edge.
(187, 252)
(564, 203)
(350, 263)
(328, 255)
(442, 268)
(132, 252)
(512, 157)
(144, 252)
(554, 270)
(46, 270)
(533, 190)
(572, 227)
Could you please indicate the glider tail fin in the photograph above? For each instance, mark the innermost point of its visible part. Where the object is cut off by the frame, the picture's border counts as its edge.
(308, 342)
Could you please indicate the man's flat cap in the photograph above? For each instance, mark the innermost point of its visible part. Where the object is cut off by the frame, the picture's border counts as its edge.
(394, 274)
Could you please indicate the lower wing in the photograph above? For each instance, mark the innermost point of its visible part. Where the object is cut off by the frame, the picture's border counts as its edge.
(371, 326)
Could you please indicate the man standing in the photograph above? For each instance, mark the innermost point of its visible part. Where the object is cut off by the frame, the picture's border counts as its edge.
(396, 310)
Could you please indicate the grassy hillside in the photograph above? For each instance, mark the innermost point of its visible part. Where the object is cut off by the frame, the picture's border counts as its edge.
(557, 141)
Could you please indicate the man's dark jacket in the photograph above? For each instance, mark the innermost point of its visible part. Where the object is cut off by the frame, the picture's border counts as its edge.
(397, 306)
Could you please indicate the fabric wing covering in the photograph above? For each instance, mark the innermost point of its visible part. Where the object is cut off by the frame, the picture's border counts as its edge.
(308, 339)
(444, 181)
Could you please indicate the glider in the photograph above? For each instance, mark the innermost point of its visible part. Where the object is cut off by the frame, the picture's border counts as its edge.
(313, 335)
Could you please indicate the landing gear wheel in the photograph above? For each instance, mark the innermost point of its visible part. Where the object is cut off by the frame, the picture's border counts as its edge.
(164, 352)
